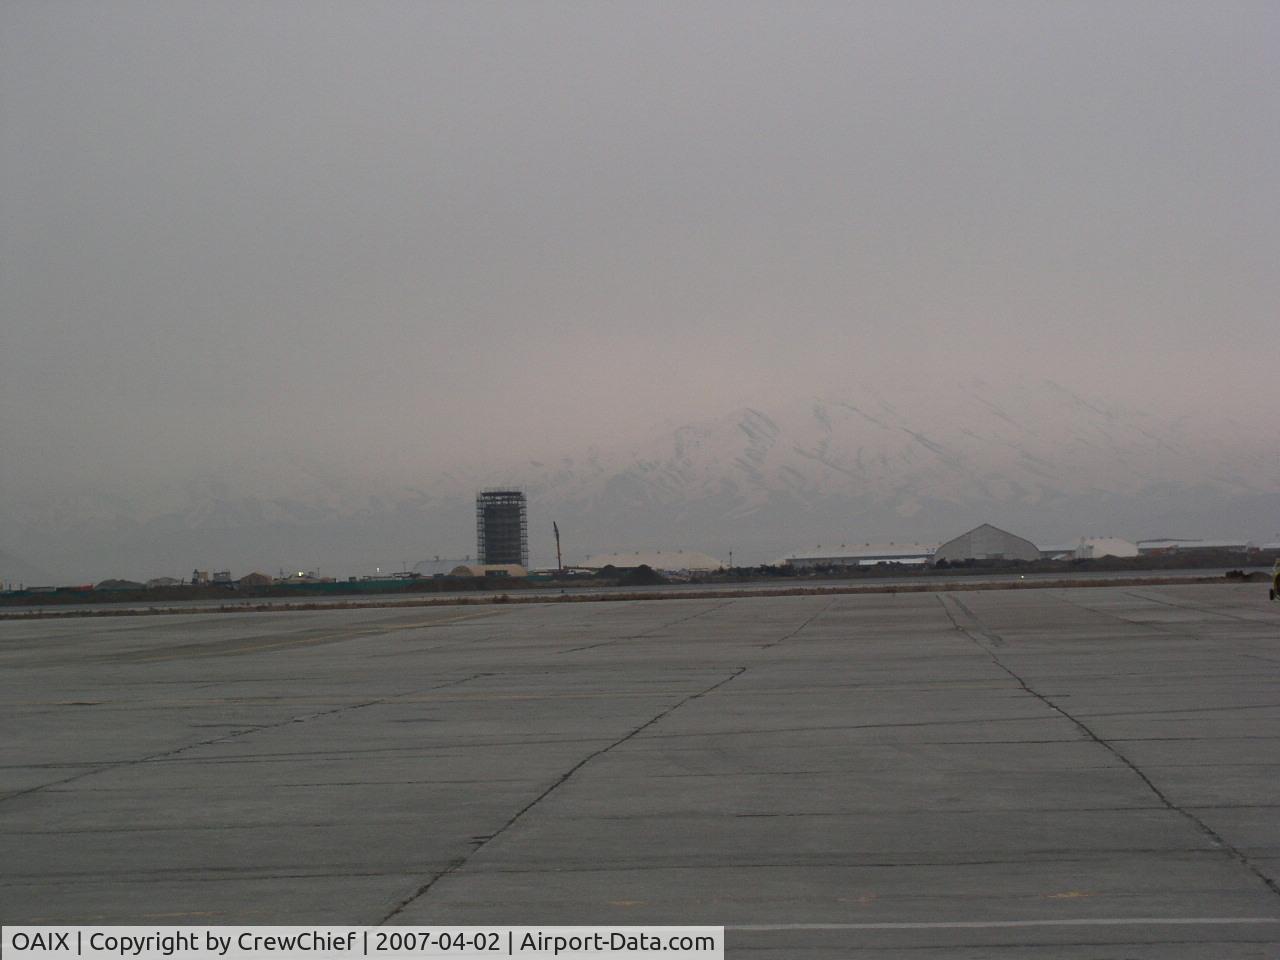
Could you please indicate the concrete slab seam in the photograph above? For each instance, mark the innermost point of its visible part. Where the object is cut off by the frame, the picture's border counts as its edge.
(997, 924)
(1187, 606)
(457, 864)
(1200, 825)
(774, 643)
(648, 633)
(227, 737)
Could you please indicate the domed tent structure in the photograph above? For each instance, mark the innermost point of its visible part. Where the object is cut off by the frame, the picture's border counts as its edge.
(985, 542)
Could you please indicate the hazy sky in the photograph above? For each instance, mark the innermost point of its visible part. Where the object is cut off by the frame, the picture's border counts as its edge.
(393, 233)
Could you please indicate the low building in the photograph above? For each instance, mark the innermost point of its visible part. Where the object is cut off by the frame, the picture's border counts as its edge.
(663, 561)
(860, 555)
(161, 582)
(1094, 548)
(1149, 548)
(513, 570)
(986, 542)
(1061, 551)
(303, 576)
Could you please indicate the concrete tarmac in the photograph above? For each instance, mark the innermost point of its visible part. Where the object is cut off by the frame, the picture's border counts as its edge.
(1036, 773)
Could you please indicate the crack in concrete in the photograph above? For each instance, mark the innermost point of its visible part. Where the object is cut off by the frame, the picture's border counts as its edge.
(899, 811)
(774, 643)
(1157, 713)
(166, 755)
(1196, 609)
(757, 731)
(1163, 629)
(647, 633)
(912, 859)
(482, 842)
(1216, 838)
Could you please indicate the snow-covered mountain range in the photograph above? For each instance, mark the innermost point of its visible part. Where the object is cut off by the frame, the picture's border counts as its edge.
(922, 463)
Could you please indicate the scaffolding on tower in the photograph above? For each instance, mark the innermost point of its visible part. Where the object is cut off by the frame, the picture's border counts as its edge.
(502, 527)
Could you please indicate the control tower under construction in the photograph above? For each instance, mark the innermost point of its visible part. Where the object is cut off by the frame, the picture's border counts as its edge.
(502, 527)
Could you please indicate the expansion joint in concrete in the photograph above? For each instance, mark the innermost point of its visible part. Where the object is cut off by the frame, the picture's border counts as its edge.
(986, 639)
(243, 731)
(1163, 629)
(796, 631)
(563, 778)
(649, 633)
(1145, 598)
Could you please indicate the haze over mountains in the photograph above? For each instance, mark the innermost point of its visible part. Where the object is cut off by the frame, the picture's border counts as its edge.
(282, 286)
(922, 461)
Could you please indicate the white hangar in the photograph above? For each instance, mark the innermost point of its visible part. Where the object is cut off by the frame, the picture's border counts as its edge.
(986, 542)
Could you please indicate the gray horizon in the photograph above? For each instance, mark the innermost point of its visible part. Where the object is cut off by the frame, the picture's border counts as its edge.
(385, 243)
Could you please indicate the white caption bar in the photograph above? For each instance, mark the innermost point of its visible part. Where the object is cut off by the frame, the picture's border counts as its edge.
(346, 943)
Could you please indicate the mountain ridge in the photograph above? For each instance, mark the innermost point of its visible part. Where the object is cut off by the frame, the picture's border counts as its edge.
(761, 480)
